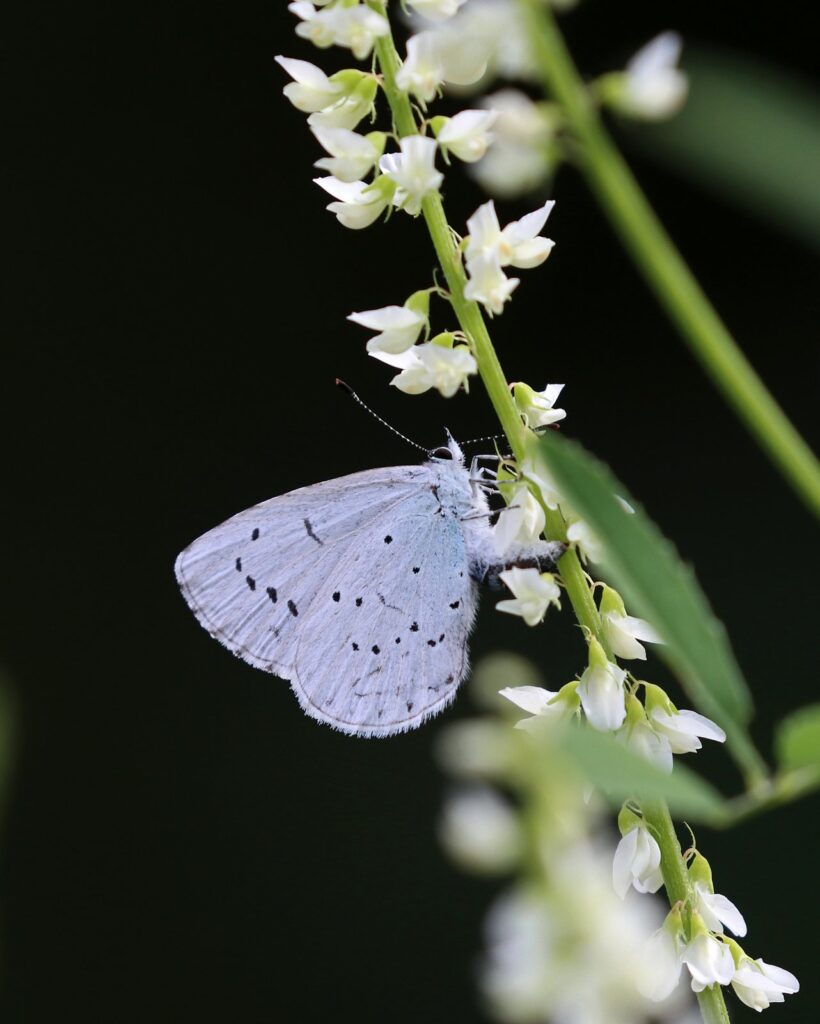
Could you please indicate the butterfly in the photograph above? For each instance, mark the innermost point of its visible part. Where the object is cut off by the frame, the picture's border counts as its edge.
(362, 591)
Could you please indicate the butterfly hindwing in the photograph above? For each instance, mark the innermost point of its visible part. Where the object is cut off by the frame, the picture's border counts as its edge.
(385, 642)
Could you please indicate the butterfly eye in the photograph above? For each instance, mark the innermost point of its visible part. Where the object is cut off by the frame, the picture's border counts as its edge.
(442, 453)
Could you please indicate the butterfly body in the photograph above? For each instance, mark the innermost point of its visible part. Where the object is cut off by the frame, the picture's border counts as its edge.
(362, 591)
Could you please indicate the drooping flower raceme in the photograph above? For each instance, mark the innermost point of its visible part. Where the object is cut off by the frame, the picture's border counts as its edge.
(533, 593)
(412, 171)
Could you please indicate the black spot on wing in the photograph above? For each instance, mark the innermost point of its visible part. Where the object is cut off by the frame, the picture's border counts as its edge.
(336, 595)
(310, 533)
(251, 582)
(388, 539)
(272, 594)
(239, 565)
(294, 611)
(255, 534)
(375, 649)
(414, 627)
(416, 570)
(455, 604)
(358, 602)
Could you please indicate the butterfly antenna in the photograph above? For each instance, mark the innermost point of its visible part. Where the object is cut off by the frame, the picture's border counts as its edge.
(347, 388)
(490, 437)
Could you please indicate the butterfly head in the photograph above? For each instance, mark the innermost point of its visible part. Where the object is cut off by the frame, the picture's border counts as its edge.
(449, 452)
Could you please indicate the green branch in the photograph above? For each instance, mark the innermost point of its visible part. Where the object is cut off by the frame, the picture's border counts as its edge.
(621, 198)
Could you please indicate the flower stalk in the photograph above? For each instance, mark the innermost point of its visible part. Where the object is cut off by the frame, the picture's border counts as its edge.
(472, 323)
(674, 285)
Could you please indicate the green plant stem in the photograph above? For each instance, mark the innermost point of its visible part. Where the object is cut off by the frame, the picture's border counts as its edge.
(679, 890)
(472, 324)
(621, 198)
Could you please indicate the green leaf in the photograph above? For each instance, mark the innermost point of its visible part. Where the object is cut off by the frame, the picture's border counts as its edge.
(654, 582)
(750, 132)
(798, 739)
(619, 774)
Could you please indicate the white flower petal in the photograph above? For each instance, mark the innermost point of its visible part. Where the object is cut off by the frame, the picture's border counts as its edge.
(534, 699)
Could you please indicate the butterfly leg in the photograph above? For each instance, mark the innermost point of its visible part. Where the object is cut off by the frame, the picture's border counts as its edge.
(542, 555)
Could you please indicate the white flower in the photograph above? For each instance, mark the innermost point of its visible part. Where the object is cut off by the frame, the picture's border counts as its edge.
(436, 10)
(758, 984)
(682, 729)
(316, 27)
(488, 284)
(640, 737)
(352, 155)
(431, 366)
(311, 89)
(582, 536)
(355, 28)
(467, 134)
(637, 863)
(717, 910)
(538, 407)
(533, 593)
(538, 702)
(601, 690)
(359, 204)
(709, 961)
(519, 158)
(413, 171)
(661, 966)
(479, 830)
(521, 522)
(623, 633)
(399, 327)
(519, 244)
(654, 86)
(422, 71)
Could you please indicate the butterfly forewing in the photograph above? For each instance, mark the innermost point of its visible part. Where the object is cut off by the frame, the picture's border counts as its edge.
(250, 579)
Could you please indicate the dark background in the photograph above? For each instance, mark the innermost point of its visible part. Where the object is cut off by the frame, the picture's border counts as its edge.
(181, 843)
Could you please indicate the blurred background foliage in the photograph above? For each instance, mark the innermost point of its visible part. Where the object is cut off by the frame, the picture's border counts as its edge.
(179, 841)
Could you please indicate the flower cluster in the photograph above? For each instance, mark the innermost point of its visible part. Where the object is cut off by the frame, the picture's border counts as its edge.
(695, 938)
(367, 177)
(560, 946)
